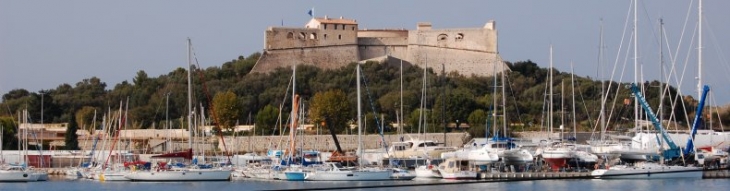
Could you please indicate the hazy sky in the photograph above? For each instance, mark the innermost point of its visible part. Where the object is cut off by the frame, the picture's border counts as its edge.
(46, 43)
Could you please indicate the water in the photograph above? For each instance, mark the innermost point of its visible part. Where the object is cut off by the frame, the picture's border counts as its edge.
(249, 184)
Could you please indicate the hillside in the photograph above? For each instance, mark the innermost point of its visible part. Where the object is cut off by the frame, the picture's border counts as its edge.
(449, 97)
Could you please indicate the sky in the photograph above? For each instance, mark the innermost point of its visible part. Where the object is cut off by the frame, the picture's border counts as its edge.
(46, 43)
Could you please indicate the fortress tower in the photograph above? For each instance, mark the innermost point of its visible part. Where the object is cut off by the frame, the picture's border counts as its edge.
(332, 43)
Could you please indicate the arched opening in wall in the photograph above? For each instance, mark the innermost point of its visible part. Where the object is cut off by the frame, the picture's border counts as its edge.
(290, 35)
(442, 37)
(302, 35)
(339, 37)
(313, 36)
(459, 36)
(324, 36)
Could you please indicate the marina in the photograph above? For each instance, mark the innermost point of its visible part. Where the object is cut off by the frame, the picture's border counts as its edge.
(62, 183)
(340, 103)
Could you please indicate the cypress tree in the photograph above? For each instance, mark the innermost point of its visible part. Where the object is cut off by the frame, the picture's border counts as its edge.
(72, 140)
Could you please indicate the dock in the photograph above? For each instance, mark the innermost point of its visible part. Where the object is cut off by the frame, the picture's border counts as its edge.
(535, 175)
(706, 174)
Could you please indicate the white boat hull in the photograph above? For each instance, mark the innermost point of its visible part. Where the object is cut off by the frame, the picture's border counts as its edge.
(182, 175)
(112, 176)
(460, 175)
(349, 175)
(649, 173)
(512, 157)
(15, 176)
(427, 172)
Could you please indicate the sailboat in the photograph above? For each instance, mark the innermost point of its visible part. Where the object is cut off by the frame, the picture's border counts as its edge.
(703, 138)
(556, 154)
(115, 171)
(336, 172)
(163, 172)
(12, 173)
(298, 162)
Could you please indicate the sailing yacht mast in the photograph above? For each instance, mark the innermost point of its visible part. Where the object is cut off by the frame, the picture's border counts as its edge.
(359, 118)
(699, 52)
(400, 121)
(603, 82)
(190, 97)
(572, 84)
(550, 94)
(504, 104)
(294, 110)
(661, 66)
(636, 62)
(494, 104)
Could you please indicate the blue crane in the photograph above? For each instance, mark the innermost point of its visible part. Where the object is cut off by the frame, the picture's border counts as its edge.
(698, 117)
(673, 151)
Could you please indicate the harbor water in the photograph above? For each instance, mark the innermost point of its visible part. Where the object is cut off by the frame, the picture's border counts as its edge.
(61, 183)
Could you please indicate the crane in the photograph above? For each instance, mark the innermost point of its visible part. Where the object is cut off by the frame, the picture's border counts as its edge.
(673, 151)
(689, 149)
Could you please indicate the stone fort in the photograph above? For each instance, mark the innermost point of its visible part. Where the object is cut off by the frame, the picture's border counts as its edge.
(331, 43)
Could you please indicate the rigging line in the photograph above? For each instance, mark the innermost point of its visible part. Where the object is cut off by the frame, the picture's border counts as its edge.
(681, 36)
(681, 79)
(656, 38)
(580, 91)
(618, 89)
(281, 108)
(718, 50)
(673, 69)
(375, 113)
(210, 103)
(543, 121)
(514, 98)
(673, 59)
(719, 119)
(616, 61)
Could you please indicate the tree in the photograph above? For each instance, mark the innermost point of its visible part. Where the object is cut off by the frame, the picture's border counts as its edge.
(72, 140)
(458, 105)
(10, 141)
(477, 118)
(414, 123)
(332, 108)
(266, 119)
(141, 78)
(84, 117)
(225, 110)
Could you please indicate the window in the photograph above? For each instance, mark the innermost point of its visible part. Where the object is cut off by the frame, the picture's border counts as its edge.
(343, 27)
(335, 26)
(313, 36)
(353, 28)
(325, 26)
(325, 36)
(290, 35)
(442, 37)
(339, 37)
(459, 36)
(302, 35)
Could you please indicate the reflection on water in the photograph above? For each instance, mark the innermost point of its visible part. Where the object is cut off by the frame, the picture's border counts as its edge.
(60, 183)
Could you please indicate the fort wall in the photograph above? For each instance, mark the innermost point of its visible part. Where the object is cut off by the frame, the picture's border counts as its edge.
(333, 43)
(326, 57)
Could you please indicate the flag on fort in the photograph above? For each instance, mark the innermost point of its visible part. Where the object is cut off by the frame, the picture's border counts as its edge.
(311, 12)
